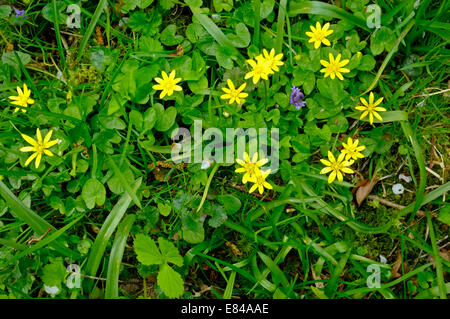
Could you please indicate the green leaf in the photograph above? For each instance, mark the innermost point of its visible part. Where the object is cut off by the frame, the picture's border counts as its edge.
(382, 39)
(9, 58)
(164, 209)
(242, 37)
(166, 120)
(146, 250)
(169, 252)
(5, 11)
(132, 4)
(231, 203)
(54, 273)
(218, 216)
(367, 63)
(170, 282)
(169, 36)
(444, 214)
(93, 193)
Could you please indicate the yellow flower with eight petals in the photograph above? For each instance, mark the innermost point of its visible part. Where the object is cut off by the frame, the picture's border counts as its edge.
(319, 35)
(334, 67)
(39, 146)
(250, 168)
(233, 94)
(260, 70)
(274, 61)
(23, 99)
(167, 84)
(259, 181)
(352, 150)
(371, 108)
(336, 167)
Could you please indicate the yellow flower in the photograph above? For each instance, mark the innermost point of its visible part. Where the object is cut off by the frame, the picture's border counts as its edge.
(250, 168)
(260, 70)
(259, 181)
(334, 67)
(352, 150)
(336, 167)
(167, 84)
(23, 99)
(39, 146)
(234, 94)
(371, 108)
(272, 60)
(319, 35)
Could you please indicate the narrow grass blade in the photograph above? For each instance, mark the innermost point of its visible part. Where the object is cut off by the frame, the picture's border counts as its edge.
(389, 116)
(388, 57)
(331, 288)
(37, 223)
(125, 184)
(215, 32)
(277, 275)
(325, 9)
(42, 243)
(407, 130)
(58, 36)
(115, 259)
(105, 233)
(230, 284)
(90, 29)
(437, 258)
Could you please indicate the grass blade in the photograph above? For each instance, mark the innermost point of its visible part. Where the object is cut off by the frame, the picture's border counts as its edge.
(90, 29)
(105, 233)
(325, 9)
(125, 184)
(215, 32)
(115, 259)
(230, 284)
(36, 222)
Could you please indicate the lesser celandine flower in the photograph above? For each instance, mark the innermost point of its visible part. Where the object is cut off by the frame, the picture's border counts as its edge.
(274, 61)
(233, 94)
(259, 180)
(334, 67)
(250, 167)
(260, 70)
(319, 35)
(352, 150)
(168, 84)
(23, 99)
(39, 146)
(336, 167)
(371, 108)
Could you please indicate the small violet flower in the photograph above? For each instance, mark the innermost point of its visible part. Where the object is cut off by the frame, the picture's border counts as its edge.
(296, 98)
(19, 13)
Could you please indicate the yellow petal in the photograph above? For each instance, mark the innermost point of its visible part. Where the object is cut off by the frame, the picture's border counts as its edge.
(29, 140)
(38, 160)
(30, 158)
(331, 177)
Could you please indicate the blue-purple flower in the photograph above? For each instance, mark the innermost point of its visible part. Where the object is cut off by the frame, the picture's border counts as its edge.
(296, 98)
(19, 13)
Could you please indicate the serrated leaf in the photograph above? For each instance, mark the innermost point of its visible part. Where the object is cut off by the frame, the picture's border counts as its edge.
(170, 282)
(146, 250)
(169, 252)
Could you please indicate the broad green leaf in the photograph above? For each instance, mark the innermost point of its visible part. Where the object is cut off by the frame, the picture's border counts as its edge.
(93, 193)
(169, 252)
(170, 282)
(146, 250)
(54, 273)
(164, 209)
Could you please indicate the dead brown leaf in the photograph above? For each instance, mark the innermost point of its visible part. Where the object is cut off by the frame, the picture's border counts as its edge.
(364, 189)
